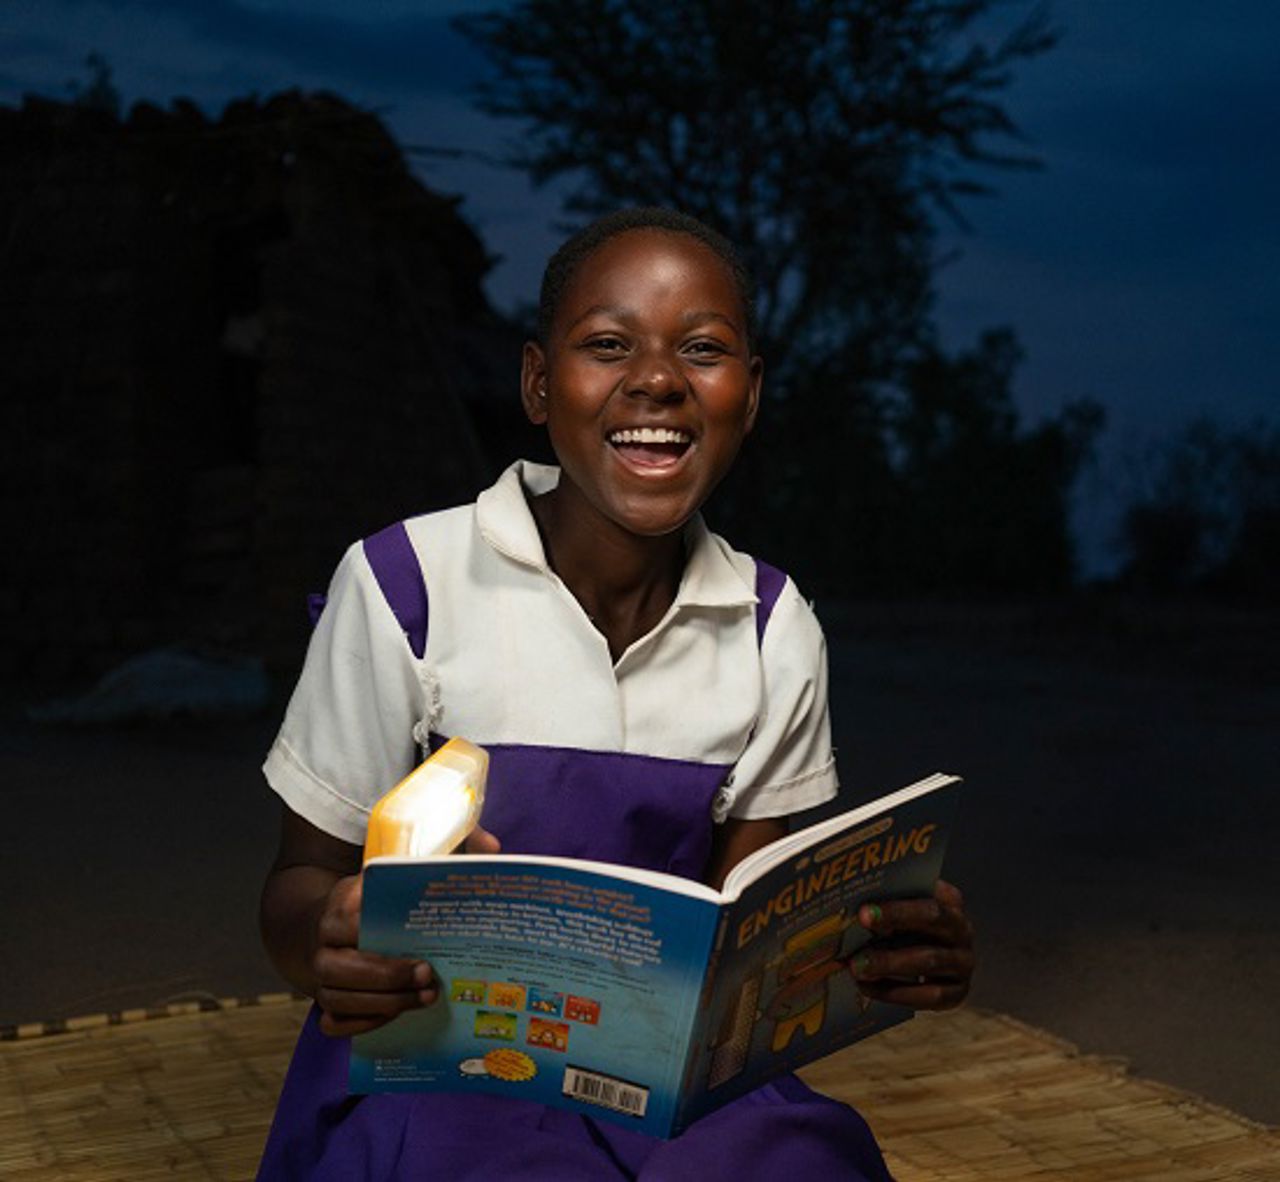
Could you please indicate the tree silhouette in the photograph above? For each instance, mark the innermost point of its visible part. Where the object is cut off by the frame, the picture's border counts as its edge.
(99, 93)
(825, 138)
(987, 503)
(1209, 516)
(820, 137)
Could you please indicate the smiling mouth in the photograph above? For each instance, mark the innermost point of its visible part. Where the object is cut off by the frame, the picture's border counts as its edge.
(651, 447)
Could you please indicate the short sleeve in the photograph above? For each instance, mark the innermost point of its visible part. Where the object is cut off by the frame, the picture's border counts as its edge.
(788, 764)
(348, 732)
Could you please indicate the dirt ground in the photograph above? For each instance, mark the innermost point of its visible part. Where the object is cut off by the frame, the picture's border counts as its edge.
(1117, 843)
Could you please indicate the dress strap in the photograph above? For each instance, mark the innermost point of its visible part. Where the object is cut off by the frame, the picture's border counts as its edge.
(315, 606)
(769, 583)
(394, 563)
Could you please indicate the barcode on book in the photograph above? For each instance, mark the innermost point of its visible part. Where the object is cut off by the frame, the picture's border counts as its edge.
(604, 1090)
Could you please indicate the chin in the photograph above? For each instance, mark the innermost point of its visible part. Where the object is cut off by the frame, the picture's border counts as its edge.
(650, 523)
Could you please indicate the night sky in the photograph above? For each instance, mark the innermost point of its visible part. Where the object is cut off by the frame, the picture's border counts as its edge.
(1140, 267)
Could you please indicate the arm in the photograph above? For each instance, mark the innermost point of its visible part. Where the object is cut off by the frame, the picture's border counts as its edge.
(310, 922)
(787, 765)
(735, 839)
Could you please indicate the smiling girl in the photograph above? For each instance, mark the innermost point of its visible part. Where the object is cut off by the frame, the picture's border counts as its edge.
(648, 695)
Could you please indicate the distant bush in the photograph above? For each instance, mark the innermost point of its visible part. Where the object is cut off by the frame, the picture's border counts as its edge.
(1208, 517)
(987, 498)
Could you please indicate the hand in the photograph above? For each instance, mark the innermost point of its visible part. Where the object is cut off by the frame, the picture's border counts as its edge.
(921, 951)
(481, 841)
(360, 991)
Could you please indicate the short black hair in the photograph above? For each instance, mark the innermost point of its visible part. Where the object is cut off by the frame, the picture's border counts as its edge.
(564, 264)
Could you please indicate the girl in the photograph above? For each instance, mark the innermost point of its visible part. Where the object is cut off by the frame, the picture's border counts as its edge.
(647, 695)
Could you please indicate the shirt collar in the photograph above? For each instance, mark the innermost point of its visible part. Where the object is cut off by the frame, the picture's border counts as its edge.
(506, 522)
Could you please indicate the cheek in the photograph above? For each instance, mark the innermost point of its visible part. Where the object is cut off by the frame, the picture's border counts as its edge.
(728, 405)
(579, 451)
(726, 390)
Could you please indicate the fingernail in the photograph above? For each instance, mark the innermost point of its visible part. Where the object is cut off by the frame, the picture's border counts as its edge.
(428, 996)
(422, 974)
(861, 963)
(871, 914)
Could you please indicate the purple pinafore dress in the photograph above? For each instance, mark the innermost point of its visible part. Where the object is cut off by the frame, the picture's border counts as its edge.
(647, 812)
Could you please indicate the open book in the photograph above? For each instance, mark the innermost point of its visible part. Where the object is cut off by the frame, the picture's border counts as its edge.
(635, 995)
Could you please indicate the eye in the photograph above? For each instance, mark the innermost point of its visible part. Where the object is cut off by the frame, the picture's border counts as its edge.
(705, 350)
(605, 345)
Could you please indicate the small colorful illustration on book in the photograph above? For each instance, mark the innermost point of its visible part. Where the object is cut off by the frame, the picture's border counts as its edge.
(582, 1009)
(510, 1065)
(506, 995)
(802, 975)
(493, 1025)
(796, 991)
(545, 1001)
(463, 990)
(552, 1035)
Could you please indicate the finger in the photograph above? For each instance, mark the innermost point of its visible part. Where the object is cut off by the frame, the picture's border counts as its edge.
(337, 929)
(481, 841)
(931, 995)
(337, 1026)
(353, 1003)
(926, 920)
(902, 915)
(349, 968)
(346, 894)
(913, 963)
(949, 897)
(339, 923)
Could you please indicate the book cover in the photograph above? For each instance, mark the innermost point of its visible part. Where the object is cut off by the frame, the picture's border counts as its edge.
(558, 983)
(779, 993)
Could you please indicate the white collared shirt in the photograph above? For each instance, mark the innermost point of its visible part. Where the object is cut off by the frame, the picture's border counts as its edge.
(512, 658)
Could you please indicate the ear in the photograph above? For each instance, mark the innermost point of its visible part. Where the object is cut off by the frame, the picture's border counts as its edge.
(533, 382)
(756, 376)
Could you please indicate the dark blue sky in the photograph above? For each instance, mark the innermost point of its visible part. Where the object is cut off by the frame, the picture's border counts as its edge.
(1141, 267)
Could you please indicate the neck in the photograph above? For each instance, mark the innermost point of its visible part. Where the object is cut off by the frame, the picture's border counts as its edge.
(625, 582)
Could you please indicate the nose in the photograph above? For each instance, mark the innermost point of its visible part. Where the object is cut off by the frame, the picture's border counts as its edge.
(656, 375)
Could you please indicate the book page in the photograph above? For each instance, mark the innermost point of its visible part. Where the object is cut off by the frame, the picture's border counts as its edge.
(558, 984)
(763, 859)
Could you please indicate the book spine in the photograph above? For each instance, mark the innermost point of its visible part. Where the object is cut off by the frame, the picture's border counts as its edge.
(698, 1027)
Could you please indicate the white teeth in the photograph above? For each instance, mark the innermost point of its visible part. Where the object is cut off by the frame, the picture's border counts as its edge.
(649, 435)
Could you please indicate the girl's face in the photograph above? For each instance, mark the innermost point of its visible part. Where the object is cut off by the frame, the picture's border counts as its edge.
(647, 385)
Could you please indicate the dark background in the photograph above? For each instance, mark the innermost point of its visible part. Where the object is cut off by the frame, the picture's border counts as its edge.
(243, 329)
